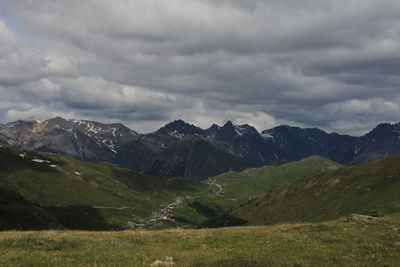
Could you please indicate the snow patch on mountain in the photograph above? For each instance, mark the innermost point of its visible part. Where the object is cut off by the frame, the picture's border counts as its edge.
(176, 134)
(267, 135)
(76, 121)
(110, 145)
(113, 131)
(357, 150)
(239, 130)
(41, 161)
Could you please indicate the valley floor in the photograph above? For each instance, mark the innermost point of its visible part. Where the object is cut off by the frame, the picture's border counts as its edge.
(335, 243)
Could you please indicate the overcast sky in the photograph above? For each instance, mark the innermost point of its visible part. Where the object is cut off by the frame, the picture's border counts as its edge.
(332, 64)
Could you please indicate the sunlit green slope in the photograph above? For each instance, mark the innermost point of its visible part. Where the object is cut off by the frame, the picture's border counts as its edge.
(370, 188)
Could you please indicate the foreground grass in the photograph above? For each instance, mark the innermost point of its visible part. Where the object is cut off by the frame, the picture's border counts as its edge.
(335, 243)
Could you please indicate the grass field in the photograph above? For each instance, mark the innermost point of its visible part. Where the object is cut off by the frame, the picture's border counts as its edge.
(334, 243)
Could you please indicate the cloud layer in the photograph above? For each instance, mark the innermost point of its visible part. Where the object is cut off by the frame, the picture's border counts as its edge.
(330, 64)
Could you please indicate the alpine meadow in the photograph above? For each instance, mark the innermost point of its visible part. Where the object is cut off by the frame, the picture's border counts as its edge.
(197, 133)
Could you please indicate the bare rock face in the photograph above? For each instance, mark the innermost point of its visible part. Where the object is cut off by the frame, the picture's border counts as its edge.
(359, 217)
(78, 138)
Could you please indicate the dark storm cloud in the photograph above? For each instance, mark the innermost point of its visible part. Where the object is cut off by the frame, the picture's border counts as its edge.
(330, 64)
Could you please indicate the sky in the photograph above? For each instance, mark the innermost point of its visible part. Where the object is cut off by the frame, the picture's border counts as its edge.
(332, 64)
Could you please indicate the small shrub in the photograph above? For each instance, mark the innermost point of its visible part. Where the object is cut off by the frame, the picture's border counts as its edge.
(376, 213)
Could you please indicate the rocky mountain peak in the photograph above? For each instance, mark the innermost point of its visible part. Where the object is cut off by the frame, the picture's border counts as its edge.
(56, 120)
(245, 129)
(384, 130)
(228, 124)
(180, 128)
(177, 124)
(214, 126)
(32, 119)
(213, 129)
(227, 132)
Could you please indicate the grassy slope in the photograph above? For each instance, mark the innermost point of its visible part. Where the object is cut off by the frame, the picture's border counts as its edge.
(238, 187)
(355, 189)
(335, 243)
(79, 191)
(253, 182)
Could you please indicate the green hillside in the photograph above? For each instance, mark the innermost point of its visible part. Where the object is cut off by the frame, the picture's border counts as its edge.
(232, 189)
(253, 182)
(88, 195)
(370, 188)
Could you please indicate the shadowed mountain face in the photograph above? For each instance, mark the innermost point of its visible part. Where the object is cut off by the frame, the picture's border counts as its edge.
(383, 141)
(194, 158)
(299, 143)
(169, 150)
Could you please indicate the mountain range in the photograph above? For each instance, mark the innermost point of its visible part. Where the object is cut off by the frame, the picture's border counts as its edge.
(185, 150)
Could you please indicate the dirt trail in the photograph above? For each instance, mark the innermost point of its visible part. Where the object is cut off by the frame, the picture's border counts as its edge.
(112, 208)
(219, 191)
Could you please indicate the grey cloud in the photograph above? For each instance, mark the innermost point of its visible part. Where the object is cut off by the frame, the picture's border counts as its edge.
(311, 63)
